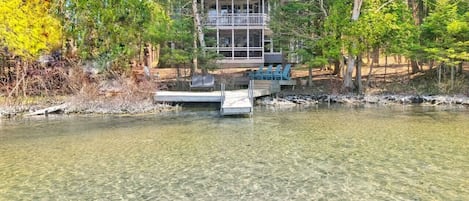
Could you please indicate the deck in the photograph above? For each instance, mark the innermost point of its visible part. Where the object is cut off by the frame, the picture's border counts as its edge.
(232, 102)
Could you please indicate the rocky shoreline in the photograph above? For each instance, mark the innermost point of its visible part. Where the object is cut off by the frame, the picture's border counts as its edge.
(437, 100)
(119, 106)
(82, 106)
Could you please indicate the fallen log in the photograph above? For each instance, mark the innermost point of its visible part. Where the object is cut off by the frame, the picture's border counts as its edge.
(49, 110)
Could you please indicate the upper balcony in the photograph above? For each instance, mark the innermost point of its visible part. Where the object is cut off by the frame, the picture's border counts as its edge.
(237, 19)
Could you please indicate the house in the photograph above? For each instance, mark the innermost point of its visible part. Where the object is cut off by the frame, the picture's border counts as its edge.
(238, 30)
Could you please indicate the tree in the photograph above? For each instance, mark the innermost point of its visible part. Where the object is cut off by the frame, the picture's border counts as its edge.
(198, 33)
(27, 29)
(385, 26)
(114, 32)
(327, 33)
(445, 35)
(304, 30)
(348, 84)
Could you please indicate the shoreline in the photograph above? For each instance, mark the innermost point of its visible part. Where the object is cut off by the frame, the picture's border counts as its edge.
(119, 106)
(82, 106)
(305, 99)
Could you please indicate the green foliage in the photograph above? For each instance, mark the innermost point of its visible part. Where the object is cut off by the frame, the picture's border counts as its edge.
(445, 33)
(318, 61)
(27, 29)
(180, 36)
(332, 42)
(208, 60)
(114, 30)
(326, 32)
(299, 23)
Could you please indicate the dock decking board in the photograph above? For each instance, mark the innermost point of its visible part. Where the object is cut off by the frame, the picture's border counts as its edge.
(187, 96)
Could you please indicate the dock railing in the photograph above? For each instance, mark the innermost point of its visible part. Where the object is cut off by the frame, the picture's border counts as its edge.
(251, 94)
(222, 96)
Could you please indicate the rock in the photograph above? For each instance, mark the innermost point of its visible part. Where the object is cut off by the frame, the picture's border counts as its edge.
(465, 102)
(416, 99)
(427, 99)
(377, 99)
(5, 114)
(371, 99)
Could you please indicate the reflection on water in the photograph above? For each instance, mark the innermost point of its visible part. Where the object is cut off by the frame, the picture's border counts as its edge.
(404, 153)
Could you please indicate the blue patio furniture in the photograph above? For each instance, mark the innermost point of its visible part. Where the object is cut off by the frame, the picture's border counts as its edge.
(253, 75)
(268, 75)
(259, 75)
(285, 73)
(277, 73)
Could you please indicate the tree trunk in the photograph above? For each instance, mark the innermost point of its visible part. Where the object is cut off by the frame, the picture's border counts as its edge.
(178, 76)
(452, 77)
(408, 69)
(375, 55)
(415, 66)
(385, 66)
(198, 25)
(195, 61)
(439, 75)
(348, 84)
(152, 55)
(368, 55)
(417, 10)
(148, 53)
(196, 34)
(357, 4)
(25, 70)
(417, 13)
(321, 4)
(310, 76)
(337, 68)
(358, 79)
(156, 56)
(173, 46)
(368, 79)
(18, 71)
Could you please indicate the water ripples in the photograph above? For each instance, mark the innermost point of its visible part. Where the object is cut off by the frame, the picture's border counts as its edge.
(321, 154)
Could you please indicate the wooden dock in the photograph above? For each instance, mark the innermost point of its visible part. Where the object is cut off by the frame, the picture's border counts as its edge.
(235, 102)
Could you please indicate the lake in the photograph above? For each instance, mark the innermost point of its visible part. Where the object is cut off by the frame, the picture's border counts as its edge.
(316, 153)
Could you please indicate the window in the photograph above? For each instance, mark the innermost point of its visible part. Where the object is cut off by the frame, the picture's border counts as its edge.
(240, 38)
(228, 54)
(255, 38)
(255, 53)
(225, 38)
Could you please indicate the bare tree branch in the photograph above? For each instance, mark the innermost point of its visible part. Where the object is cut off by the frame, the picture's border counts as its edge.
(385, 4)
(321, 4)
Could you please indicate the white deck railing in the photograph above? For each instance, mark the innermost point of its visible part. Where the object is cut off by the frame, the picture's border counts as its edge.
(251, 19)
